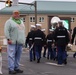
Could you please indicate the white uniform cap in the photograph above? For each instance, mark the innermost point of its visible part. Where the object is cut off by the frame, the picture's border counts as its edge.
(69, 45)
(33, 26)
(38, 25)
(42, 29)
(51, 30)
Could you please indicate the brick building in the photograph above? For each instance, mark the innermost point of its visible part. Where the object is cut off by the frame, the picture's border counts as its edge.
(45, 11)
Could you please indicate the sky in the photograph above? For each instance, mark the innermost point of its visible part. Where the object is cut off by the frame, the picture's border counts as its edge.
(2, 5)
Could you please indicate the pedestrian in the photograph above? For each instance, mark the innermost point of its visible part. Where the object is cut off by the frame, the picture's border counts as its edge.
(38, 42)
(30, 42)
(49, 39)
(44, 44)
(15, 34)
(62, 39)
(72, 41)
(54, 46)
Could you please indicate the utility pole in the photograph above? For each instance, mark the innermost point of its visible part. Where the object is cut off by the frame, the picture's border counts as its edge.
(15, 2)
(35, 5)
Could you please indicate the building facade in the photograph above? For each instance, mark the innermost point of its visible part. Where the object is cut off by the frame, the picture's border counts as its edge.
(28, 20)
(66, 11)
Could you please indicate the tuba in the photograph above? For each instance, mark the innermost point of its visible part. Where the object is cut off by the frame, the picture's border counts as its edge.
(54, 22)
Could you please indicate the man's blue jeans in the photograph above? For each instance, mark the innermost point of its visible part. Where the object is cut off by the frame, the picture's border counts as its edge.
(14, 54)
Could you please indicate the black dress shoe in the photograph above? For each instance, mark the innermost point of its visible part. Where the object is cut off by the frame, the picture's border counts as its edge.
(38, 60)
(44, 56)
(48, 58)
(74, 55)
(34, 59)
(19, 71)
(54, 58)
(65, 61)
(30, 60)
(12, 72)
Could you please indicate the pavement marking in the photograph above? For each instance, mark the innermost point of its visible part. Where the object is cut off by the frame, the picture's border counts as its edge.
(55, 64)
(21, 64)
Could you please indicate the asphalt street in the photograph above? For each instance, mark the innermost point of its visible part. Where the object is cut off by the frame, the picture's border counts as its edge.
(45, 67)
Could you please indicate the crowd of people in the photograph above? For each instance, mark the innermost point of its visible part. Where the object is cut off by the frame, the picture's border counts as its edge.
(54, 43)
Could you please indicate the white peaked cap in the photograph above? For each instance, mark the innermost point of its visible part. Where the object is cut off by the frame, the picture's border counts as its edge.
(38, 25)
(33, 26)
(69, 45)
(51, 30)
(42, 29)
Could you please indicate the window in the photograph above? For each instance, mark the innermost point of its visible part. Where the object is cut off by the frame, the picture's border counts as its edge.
(41, 19)
(32, 19)
(23, 19)
(72, 19)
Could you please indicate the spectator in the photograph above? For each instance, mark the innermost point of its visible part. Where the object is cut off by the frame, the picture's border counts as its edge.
(15, 34)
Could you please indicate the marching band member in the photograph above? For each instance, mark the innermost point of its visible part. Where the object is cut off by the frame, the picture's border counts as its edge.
(44, 46)
(38, 41)
(62, 39)
(30, 41)
(49, 39)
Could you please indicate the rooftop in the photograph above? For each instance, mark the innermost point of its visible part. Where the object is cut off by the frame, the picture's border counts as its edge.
(44, 7)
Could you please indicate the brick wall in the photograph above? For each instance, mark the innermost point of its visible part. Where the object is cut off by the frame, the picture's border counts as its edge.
(27, 23)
